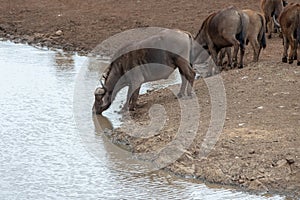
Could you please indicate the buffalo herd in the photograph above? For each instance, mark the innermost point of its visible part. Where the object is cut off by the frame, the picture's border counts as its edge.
(221, 33)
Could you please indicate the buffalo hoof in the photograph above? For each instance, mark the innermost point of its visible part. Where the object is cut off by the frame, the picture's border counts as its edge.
(179, 95)
(269, 36)
(209, 74)
(298, 63)
(234, 65)
(190, 94)
(132, 109)
(291, 60)
(284, 59)
(241, 66)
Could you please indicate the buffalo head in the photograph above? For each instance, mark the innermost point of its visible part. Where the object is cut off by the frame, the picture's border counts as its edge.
(102, 100)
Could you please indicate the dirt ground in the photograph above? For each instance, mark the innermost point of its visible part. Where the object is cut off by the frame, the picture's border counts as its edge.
(259, 148)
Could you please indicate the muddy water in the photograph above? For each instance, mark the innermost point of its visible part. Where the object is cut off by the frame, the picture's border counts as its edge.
(52, 149)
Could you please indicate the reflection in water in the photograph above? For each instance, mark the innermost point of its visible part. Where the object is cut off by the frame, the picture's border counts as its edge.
(63, 60)
(102, 123)
(45, 155)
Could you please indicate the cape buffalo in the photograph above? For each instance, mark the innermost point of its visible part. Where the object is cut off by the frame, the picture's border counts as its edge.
(289, 21)
(148, 60)
(225, 28)
(255, 35)
(272, 9)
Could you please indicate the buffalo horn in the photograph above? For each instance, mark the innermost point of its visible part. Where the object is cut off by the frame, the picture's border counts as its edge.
(276, 22)
(102, 85)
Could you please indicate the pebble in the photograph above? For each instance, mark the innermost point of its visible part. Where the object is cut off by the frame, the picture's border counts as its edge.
(59, 33)
(252, 151)
(290, 160)
(280, 163)
(241, 181)
(242, 124)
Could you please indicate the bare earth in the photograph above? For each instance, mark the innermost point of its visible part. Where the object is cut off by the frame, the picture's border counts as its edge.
(259, 148)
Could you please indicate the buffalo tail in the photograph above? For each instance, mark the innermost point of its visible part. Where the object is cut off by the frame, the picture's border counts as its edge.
(241, 36)
(262, 33)
(298, 30)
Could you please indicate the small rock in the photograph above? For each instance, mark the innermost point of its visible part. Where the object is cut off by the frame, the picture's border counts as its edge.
(260, 107)
(281, 163)
(290, 160)
(260, 176)
(252, 151)
(241, 181)
(38, 35)
(261, 169)
(59, 33)
(29, 39)
(257, 185)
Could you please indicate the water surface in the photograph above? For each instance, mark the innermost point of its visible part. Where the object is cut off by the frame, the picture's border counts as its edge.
(49, 150)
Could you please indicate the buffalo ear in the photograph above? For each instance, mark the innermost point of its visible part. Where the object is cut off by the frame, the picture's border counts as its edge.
(104, 75)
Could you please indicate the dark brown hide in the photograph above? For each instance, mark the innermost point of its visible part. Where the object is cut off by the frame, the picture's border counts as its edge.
(289, 21)
(256, 35)
(139, 65)
(271, 8)
(226, 28)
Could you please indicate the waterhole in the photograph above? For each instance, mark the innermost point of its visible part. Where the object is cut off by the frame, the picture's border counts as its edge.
(51, 149)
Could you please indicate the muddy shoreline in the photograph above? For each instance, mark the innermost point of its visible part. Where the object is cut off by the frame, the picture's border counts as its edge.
(259, 147)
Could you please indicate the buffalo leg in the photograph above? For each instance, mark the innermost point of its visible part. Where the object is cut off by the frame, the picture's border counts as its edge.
(126, 105)
(187, 75)
(242, 53)
(256, 48)
(298, 53)
(292, 49)
(221, 57)
(225, 51)
(214, 56)
(236, 46)
(183, 85)
(270, 26)
(295, 50)
(285, 49)
(133, 99)
(228, 52)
